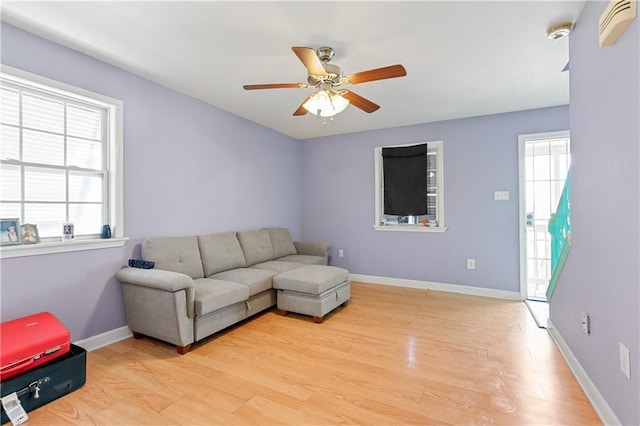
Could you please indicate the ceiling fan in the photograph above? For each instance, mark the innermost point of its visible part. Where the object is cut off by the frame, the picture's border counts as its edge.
(331, 99)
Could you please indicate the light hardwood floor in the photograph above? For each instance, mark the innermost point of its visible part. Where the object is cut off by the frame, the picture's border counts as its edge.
(392, 356)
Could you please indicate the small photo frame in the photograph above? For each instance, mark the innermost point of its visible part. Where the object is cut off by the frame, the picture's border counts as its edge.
(10, 232)
(30, 234)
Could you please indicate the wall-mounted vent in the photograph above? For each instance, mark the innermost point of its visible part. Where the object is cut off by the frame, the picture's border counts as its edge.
(615, 19)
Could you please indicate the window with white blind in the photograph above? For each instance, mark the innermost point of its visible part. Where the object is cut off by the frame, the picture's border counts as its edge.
(60, 153)
(433, 221)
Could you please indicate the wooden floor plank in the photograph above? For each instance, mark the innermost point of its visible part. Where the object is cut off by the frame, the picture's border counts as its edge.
(392, 356)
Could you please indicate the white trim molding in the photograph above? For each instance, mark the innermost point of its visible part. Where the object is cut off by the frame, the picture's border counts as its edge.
(603, 410)
(104, 339)
(408, 228)
(427, 285)
(60, 247)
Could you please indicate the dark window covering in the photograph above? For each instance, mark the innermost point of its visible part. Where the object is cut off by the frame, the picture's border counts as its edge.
(405, 180)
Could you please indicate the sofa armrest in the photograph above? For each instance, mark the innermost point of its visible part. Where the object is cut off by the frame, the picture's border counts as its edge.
(161, 280)
(312, 248)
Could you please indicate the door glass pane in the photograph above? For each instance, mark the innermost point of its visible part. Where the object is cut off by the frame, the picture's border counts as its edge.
(557, 186)
(542, 209)
(542, 242)
(559, 159)
(530, 241)
(541, 162)
(529, 194)
(528, 167)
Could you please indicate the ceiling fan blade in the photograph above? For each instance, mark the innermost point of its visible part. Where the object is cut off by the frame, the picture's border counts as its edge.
(301, 109)
(275, 86)
(358, 101)
(310, 59)
(391, 71)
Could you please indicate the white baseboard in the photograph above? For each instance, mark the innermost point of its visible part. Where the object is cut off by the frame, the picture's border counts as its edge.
(103, 339)
(603, 410)
(450, 288)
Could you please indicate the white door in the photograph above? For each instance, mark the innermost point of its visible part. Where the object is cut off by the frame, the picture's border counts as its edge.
(544, 162)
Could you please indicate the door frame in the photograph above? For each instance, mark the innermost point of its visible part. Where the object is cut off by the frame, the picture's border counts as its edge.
(522, 140)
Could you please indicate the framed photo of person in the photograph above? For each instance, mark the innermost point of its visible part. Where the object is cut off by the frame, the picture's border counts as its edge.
(30, 234)
(10, 232)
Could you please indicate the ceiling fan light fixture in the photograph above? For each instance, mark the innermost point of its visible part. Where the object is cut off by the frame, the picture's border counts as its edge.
(326, 103)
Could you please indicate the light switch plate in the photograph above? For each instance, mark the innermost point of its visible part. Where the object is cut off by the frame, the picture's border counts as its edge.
(624, 361)
(501, 195)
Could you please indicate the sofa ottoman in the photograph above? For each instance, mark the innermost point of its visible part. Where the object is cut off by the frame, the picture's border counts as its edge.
(313, 290)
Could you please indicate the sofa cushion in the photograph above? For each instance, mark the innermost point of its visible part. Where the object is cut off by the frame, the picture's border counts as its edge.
(176, 254)
(277, 266)
(258, 280)
(212, 295)
(304, 258)
(311, 279)
(220, 252)
(256, 246)
(281, 242)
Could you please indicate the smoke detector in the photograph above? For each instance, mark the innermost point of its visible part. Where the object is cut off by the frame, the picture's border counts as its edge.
(558, 31)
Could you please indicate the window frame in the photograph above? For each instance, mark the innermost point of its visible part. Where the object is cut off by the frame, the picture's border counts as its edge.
(113, 185)
(379, 224)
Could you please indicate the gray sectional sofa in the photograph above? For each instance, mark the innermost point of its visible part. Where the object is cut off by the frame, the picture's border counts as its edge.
(203, 284)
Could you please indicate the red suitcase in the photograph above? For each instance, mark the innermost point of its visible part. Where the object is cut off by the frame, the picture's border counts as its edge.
(31, 341)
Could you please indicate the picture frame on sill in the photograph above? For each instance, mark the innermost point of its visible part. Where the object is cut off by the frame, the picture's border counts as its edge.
(30, 234)
(10, 232)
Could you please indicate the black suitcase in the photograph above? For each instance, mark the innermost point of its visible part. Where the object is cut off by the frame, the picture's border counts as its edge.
(42, 385)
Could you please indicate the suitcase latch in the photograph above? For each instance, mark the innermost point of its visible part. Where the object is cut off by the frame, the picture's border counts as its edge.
(34, 387)
(52, 350)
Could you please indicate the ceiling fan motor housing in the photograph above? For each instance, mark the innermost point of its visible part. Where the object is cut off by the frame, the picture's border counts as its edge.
(334, 73)
(325, 53)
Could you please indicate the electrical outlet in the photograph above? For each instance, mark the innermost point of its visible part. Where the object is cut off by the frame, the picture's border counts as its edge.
(624, 361)
(586, 323)
(340, 253)
(471, 264)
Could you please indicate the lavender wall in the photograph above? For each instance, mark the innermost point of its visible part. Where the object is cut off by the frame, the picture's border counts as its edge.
(480, 157)
(601, 275)
(189, 168)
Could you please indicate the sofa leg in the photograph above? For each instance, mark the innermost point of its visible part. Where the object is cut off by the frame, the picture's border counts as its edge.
(183, 349)
(137, 335)
(318, 320)
(283, 312)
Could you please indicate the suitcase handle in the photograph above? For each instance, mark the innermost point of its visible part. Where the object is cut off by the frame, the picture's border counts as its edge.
(17, 364)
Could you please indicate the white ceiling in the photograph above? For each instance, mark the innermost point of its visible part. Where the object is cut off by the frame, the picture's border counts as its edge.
(462, 58)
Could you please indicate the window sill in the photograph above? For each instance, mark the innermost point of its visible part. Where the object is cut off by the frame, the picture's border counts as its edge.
(60, 247)
(408, 228)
